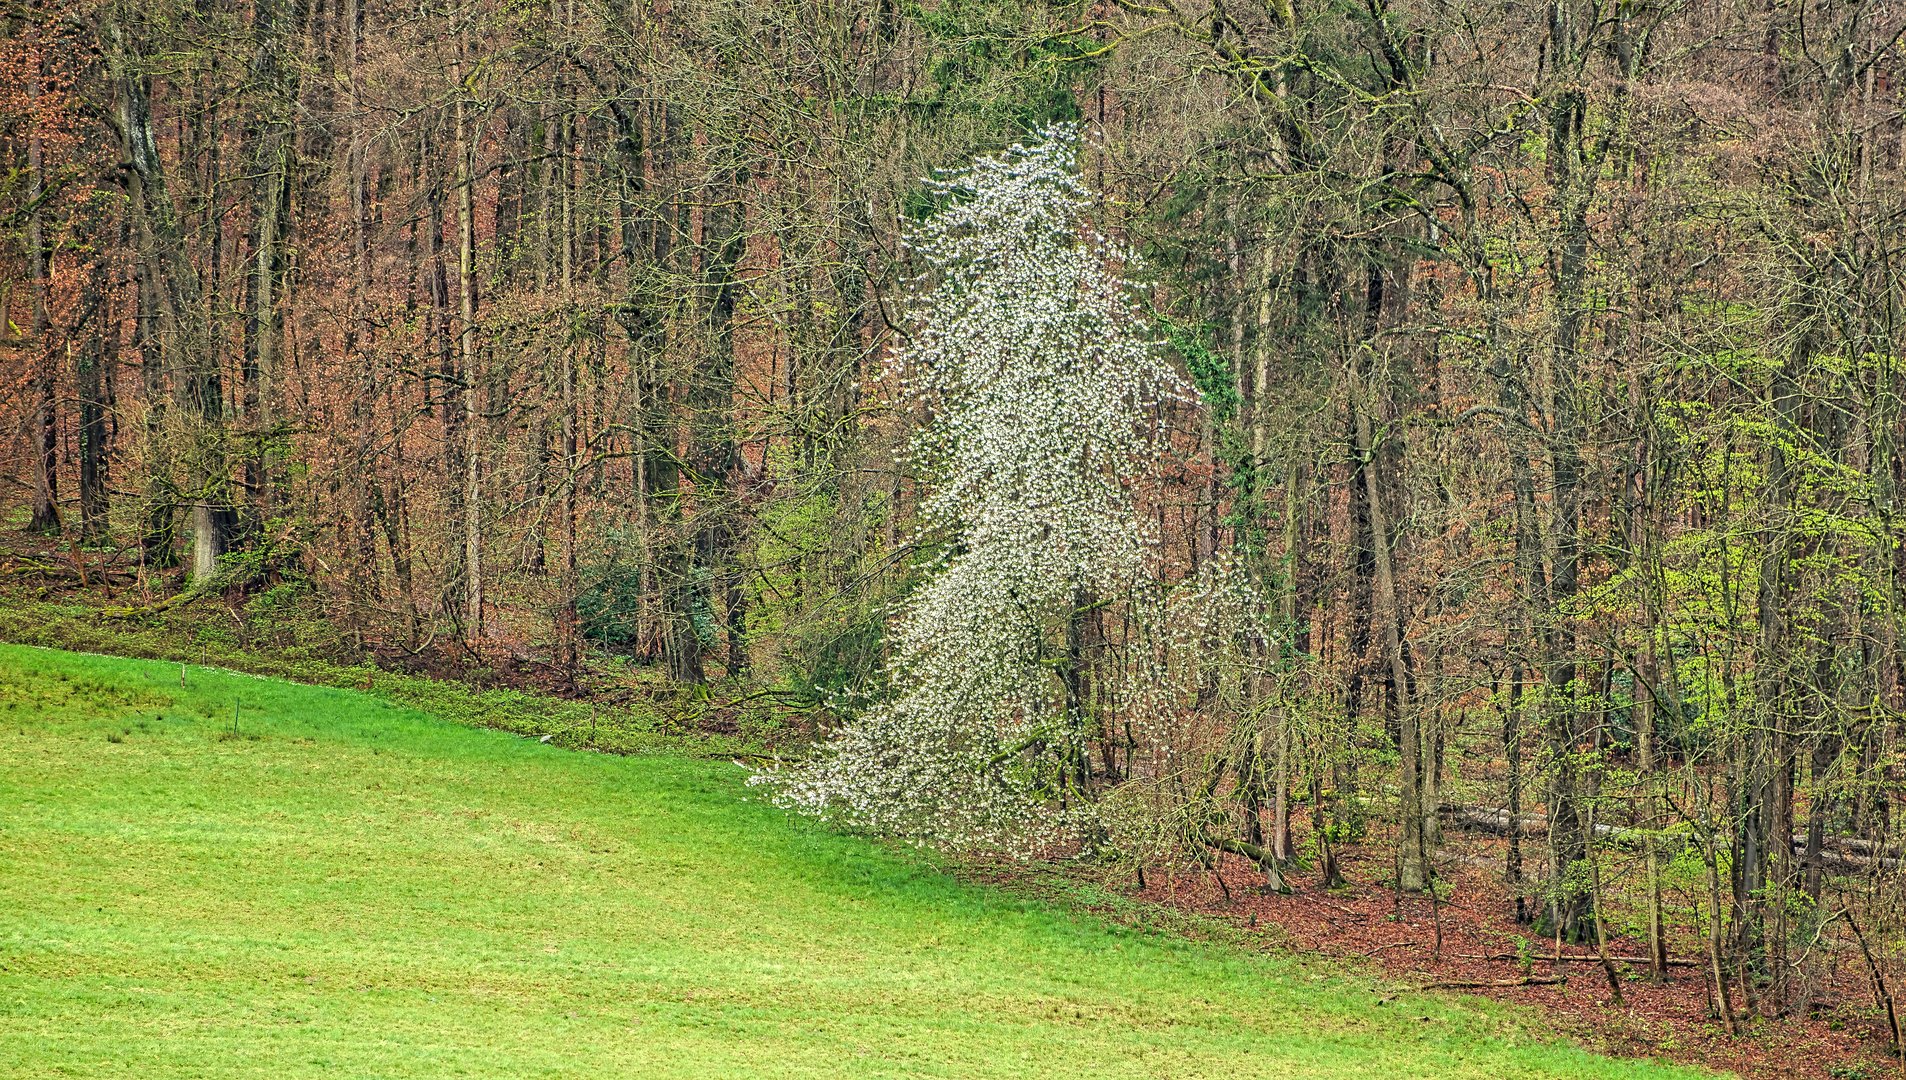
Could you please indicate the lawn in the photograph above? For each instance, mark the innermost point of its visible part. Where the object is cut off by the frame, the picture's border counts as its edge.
(350, 888)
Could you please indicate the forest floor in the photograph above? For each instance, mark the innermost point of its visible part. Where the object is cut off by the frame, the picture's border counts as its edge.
(1843, 1038)
(209, 873)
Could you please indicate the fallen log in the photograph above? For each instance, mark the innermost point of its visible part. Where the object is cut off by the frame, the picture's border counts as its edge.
(159, 607)
(1856, 844)
(1499, 822)
(1576, 958)
(1842, 853)
(1496, 984)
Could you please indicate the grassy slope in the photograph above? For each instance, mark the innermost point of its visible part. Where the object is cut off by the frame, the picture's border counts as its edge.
(352, 888)
(304, 654)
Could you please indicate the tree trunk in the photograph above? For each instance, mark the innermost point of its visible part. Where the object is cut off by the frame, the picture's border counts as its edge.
(1573, 177)
(464, 154)
(449, 386)
(43, 433)
(187, 349)
(1413, 861)
(1512, 751)
(270, 134)
(99, 349)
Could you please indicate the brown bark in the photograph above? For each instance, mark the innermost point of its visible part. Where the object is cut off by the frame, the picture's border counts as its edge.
(43, 431)
(463, 153)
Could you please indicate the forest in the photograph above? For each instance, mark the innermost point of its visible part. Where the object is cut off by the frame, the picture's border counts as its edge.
(1304, 443)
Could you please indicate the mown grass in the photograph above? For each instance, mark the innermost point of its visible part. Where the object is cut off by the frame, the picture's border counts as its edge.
(346, 887)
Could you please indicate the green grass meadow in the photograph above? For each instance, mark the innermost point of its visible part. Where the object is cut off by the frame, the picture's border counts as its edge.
(351, 888)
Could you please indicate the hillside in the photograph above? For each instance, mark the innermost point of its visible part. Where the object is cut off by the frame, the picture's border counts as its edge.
(337, 886)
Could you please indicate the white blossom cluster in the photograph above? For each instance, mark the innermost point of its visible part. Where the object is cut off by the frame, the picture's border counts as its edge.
(1040, 379)
(1202, 658)
(1203, 653)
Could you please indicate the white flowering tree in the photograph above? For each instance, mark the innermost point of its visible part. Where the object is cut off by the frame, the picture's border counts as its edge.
(1039, 378)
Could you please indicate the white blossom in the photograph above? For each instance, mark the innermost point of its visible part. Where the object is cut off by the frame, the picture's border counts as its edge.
(1040, 380)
